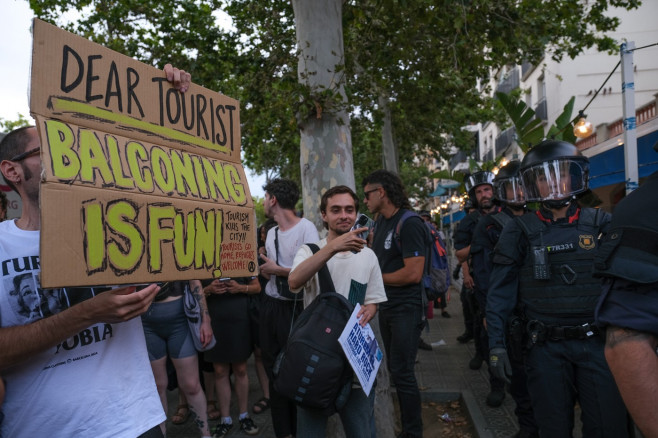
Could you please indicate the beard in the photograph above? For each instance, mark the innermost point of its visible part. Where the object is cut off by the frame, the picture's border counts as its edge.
(31, 189)
(486, 203)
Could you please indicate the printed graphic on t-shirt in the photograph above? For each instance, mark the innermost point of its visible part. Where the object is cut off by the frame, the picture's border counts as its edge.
(389, 240)
(27, 300)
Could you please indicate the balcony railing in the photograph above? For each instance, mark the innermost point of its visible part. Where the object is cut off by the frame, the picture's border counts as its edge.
(510, 82)
(541, 110)
(504, 140)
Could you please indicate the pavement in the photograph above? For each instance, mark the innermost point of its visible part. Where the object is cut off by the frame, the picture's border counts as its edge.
(443, 374)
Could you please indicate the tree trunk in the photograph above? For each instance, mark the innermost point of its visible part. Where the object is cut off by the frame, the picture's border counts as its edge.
(326, 142)
(389, 151)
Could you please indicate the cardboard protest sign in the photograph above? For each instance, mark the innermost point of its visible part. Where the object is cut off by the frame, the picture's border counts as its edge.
(140, 182)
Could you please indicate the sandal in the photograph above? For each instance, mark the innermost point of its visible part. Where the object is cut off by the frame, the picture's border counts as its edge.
(181, 415)
(213, 412)
(261, 405)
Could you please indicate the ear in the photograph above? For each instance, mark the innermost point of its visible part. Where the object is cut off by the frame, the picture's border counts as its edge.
(10, 171)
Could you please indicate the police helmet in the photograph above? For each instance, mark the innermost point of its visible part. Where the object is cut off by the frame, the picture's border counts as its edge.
(477, 179)
(554, 171)
(508, 187)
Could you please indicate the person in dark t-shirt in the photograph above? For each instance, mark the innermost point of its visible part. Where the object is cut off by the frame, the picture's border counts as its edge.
(401, 317)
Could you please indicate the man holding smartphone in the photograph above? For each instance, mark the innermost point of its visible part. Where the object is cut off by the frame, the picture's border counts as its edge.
(356, 275)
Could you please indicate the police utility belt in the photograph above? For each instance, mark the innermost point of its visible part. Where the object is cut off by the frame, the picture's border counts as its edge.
(538, 332)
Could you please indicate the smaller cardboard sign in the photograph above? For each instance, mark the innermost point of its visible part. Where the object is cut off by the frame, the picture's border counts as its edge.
(362, 350)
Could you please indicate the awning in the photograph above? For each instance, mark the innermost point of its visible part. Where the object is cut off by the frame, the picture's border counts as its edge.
(455, 217)
(440, 191)
(608, 167)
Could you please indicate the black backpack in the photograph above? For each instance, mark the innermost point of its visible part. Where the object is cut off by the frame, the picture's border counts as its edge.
(312, 369)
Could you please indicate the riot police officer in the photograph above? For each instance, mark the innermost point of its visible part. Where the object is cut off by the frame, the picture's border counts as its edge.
(480, 191)
(543, 265)
(628, 258)
(464, 298)
(508, 191)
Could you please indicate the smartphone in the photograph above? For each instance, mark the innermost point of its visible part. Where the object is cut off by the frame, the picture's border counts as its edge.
(363, 221)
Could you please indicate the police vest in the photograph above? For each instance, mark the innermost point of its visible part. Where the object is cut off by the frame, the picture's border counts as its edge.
(556, 285)
(501, 219)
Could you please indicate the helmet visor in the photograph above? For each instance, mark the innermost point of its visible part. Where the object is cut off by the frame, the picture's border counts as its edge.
(510, 190)
(555, 179)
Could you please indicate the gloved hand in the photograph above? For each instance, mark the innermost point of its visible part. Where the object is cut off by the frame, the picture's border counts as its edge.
(499, 362)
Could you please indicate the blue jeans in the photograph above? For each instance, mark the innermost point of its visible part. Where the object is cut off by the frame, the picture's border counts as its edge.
(401, 326)
(561, 372)
(355, 417)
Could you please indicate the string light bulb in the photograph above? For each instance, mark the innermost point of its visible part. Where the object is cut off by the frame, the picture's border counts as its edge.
(583, 128)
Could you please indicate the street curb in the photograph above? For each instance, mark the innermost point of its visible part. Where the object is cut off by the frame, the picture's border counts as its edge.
(477, 418)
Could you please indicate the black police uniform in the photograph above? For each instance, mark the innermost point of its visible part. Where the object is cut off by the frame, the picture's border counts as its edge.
(628, 258)
(486, 235)
(461, 239)
(544, 266)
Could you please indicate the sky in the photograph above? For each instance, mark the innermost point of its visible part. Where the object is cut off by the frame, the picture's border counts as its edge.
(15, 53)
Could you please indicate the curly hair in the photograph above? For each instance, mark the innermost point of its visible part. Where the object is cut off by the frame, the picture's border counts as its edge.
(392, 186)
(285, 191)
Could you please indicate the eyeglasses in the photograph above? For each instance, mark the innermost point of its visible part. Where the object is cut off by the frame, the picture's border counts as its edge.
(368, 192)
(25, 154)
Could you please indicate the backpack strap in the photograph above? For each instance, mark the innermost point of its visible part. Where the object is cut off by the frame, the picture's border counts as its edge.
(276, 243)
(326, 283)
(398, 228)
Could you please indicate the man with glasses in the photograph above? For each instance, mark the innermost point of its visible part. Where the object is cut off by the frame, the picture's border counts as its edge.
(402, 265)
(83, 370)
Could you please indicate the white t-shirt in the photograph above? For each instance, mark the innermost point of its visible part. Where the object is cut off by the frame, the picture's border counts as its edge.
(289, 242)
(356, 276)
(97, 383)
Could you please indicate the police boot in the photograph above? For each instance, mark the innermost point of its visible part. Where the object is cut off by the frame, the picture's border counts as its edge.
(476, 362)
(496, 397)
(464, 337)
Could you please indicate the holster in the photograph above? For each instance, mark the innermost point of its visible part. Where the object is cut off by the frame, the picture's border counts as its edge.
(516, 334)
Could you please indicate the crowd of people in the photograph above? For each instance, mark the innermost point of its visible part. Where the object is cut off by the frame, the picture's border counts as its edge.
(97, 362)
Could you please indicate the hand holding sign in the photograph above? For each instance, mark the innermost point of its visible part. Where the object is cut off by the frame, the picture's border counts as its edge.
(179, 78)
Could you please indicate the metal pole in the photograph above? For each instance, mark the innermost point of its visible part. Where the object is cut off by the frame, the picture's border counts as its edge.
(630, 133)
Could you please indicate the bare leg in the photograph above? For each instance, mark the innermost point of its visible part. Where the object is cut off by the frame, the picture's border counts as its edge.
(241, 385)
(223, 387)
(209, 381)
(187, 370)
(632, 358)
(260, 372)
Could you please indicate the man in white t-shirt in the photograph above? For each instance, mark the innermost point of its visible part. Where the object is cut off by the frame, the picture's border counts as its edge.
(356, 275)
(278, 305)
(70, 369)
